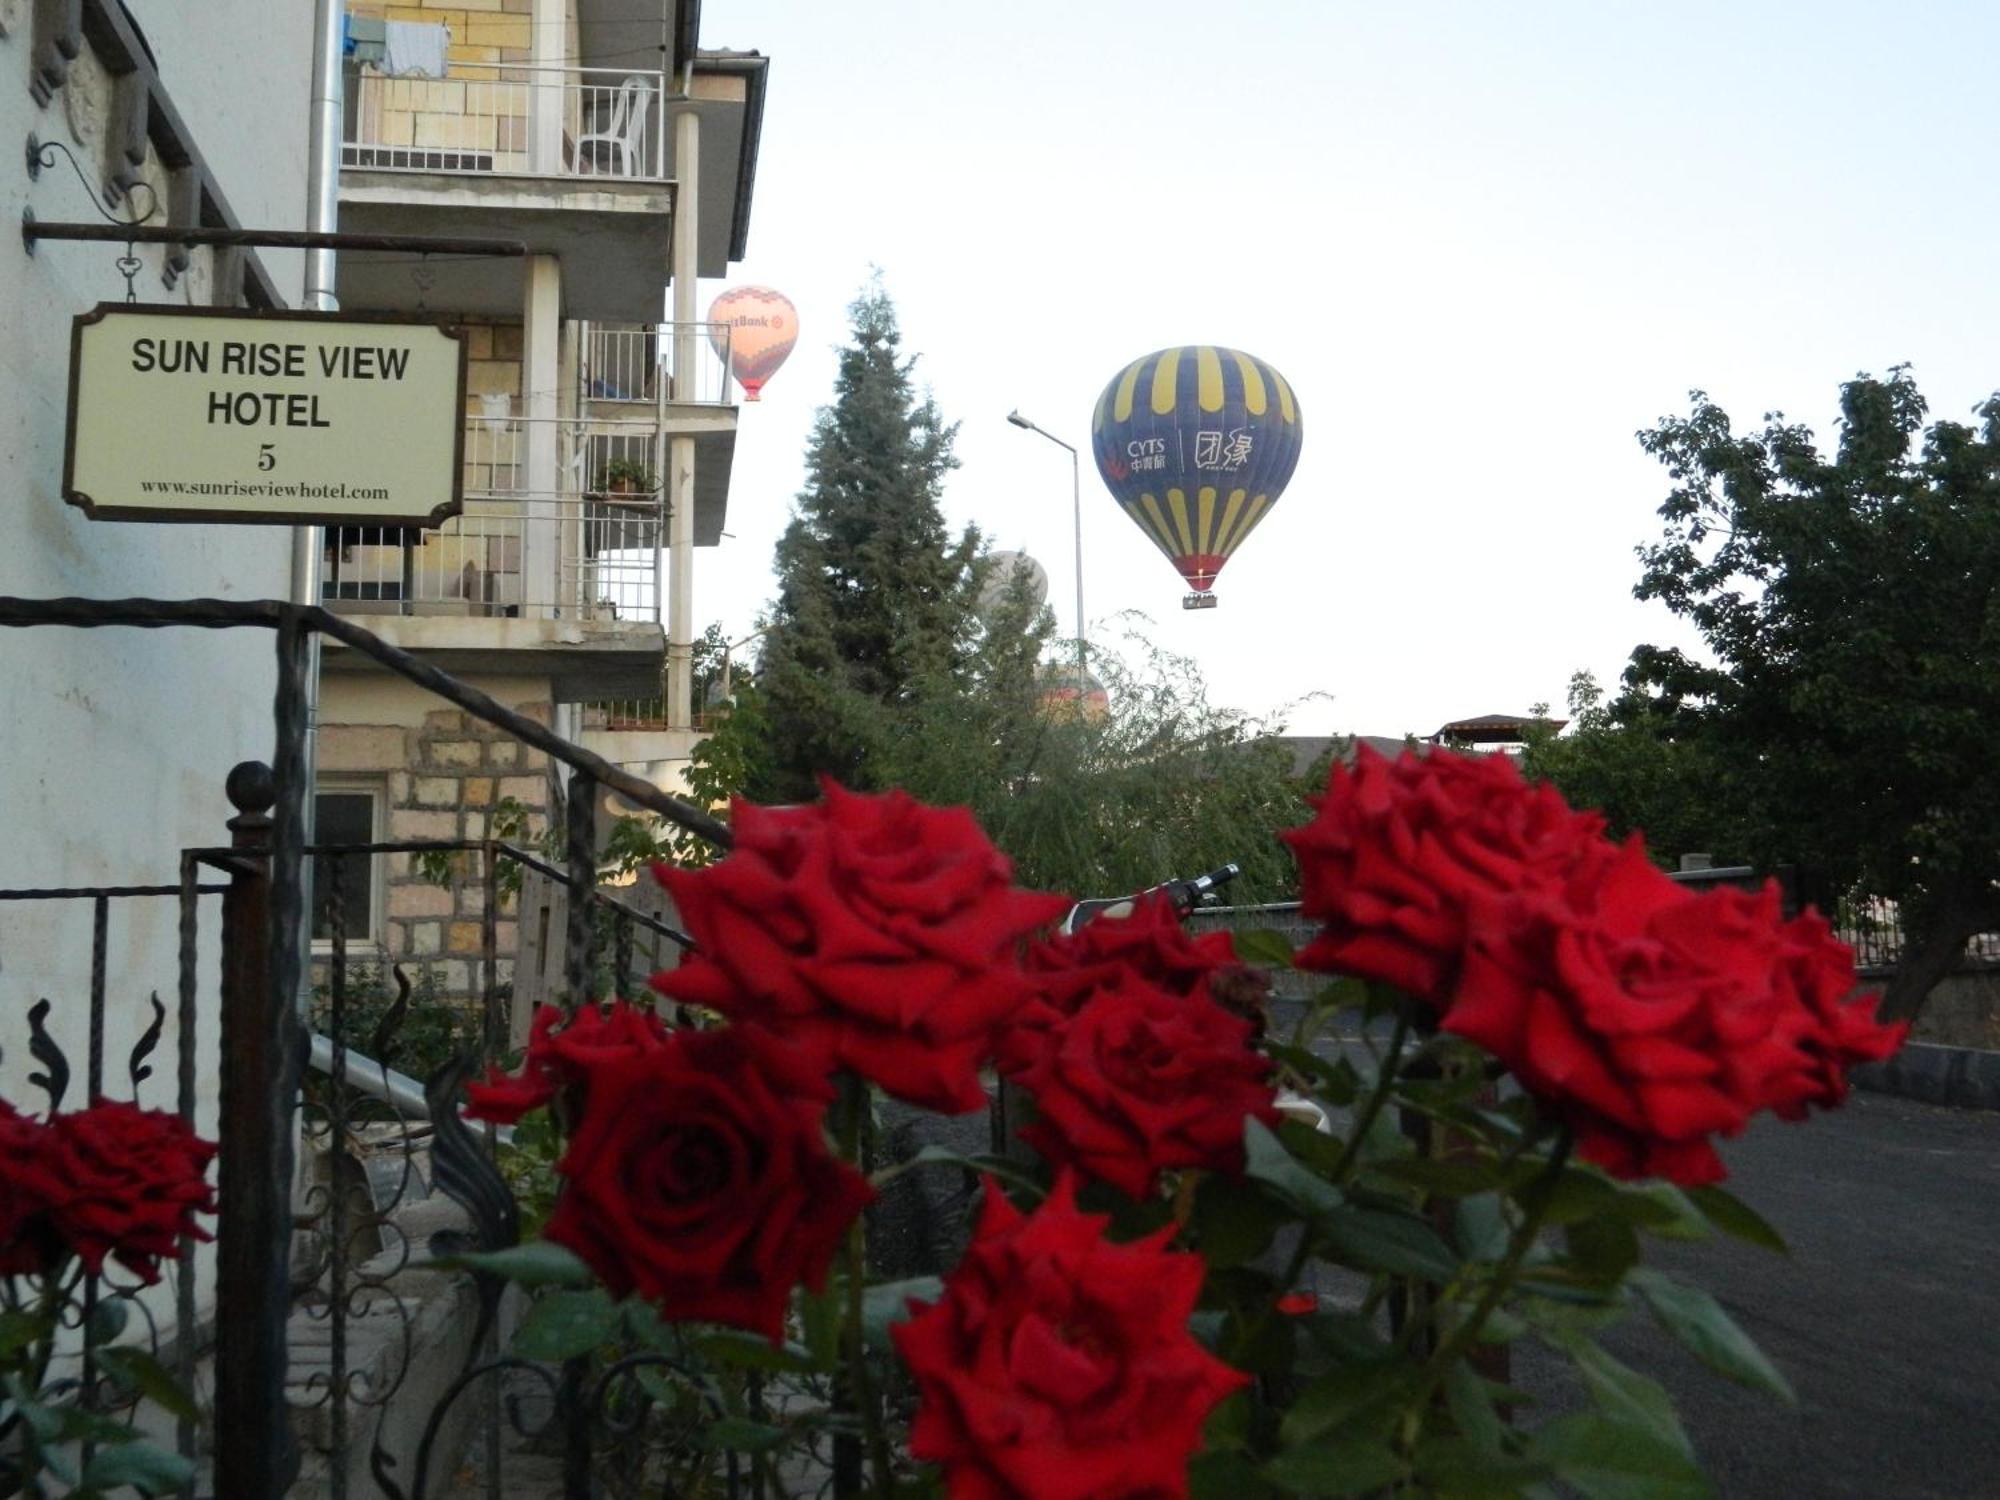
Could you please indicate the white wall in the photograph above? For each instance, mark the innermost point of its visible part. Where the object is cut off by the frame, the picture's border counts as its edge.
(114, 743)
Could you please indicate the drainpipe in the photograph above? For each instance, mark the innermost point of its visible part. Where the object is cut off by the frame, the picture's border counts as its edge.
(323, 216)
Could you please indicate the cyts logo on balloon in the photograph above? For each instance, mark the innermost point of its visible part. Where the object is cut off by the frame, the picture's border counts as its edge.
(1196, 444)
(754, 328)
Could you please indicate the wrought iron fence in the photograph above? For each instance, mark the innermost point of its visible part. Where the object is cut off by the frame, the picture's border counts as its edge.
(1873, 927)
(166, 1321)
(261, 1276)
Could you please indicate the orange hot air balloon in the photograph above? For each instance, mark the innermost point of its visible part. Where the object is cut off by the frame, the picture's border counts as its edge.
(754, 328)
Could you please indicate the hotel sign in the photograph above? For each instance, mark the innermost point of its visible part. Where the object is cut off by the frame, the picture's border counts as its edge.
(280, 418)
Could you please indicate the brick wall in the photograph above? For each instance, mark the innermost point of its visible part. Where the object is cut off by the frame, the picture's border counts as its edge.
(444, 779)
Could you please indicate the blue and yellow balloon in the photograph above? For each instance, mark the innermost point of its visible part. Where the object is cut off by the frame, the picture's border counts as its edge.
(1196, 444)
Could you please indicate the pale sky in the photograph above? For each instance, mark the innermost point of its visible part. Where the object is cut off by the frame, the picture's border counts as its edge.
(1484, 243)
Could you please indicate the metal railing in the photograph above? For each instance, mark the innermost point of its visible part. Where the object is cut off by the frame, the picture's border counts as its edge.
(1873, 927)
(512, 119)
(613, 458)
(649, 363)
(595, 558)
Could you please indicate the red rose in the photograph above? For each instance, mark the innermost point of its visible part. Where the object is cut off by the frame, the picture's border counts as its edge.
(1653, 1018)
(125, 1182)
(698, 1176)
(27, 1244)
(1140, 1081)
(1149, 942)
(1397, 849)
(562, 1052)
(1059, 1366)
(875, 932)
(1816, 970)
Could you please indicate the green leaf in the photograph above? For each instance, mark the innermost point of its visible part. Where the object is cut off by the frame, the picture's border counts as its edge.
(1604, 1459)
(18, 1330)
(107, 1319)
(1734, 1217)
(1355, 1394)
(137, 1370)
(1334, 1469)
(536, 1263)
(1232, 1221)
(746, 1351)
(1465, 1470)
(1479, 1225)
(886, 1303)
(1667, 1211)
(1263, 945)
(1710, 1334)
(1377, 1240)
(741, 1434)
(1625, 1395)
(1266, 1160)
(1227, 1476)
(148, 1469)
(1602, 1248)
(1448, 1176)
(819, 1324)
(1346, 1336)
(1471, 1407)
(563, 1325)
(1228, 1426)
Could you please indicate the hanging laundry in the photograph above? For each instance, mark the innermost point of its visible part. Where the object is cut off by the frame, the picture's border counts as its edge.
(415, 49)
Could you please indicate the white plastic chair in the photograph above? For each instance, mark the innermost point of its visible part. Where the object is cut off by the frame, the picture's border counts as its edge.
(624, 134)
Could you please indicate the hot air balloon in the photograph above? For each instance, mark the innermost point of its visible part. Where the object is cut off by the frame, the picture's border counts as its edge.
(1000, 580)
(757, 328)
(1196, 444)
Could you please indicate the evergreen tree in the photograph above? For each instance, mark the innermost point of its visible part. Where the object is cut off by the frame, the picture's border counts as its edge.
(875, 598)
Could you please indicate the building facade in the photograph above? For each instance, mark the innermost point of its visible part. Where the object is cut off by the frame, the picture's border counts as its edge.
(115, 743)
(600, 421)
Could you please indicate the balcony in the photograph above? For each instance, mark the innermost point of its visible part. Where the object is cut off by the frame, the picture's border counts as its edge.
(573, 162)
(507, 119)
(605, 566)
(624, 366)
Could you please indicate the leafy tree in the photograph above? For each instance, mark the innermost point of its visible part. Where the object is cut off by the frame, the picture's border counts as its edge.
(875, 598)
(1642, 779)
(1160, 784)
(1852, 607)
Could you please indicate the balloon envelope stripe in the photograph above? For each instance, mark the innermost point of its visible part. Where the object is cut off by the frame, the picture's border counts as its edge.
(1208, 378)
(1255, 401)
(1166, 372)
(1177, 502)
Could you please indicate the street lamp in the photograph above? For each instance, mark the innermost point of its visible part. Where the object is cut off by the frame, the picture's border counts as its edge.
(1076, 497)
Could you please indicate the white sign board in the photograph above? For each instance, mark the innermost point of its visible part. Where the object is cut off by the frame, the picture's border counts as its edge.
(292, 418)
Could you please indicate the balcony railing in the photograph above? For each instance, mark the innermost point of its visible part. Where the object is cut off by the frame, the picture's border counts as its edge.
(586, 559)
(510, 119)
(640, 364)
(614, 458)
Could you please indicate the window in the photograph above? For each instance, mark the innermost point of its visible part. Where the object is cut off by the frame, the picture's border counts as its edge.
(344, 816)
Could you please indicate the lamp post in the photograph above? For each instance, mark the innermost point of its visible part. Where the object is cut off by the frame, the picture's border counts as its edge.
(1076, 499)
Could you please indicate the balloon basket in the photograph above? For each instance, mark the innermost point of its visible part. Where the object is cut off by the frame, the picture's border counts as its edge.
(1199, 600)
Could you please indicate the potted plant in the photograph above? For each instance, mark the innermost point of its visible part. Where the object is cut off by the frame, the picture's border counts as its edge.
(626, 476)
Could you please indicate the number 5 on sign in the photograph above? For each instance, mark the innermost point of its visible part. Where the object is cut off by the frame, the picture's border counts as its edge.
(267, 457)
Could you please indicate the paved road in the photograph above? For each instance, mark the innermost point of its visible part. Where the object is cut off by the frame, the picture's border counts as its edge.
(1886, 1316)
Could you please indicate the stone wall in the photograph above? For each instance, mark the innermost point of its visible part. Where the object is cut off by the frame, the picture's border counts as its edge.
(450, 777)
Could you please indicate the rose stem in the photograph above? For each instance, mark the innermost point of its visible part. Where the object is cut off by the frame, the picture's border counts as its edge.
(1385, 1079)
(853, 1132)
(1541, 1193)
